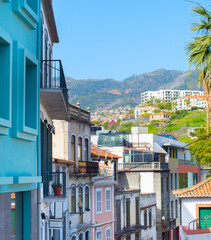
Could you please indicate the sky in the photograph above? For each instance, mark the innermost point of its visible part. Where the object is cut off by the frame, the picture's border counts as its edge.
(119, 38)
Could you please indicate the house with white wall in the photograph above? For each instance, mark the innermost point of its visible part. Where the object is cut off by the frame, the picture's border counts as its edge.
(195, 207)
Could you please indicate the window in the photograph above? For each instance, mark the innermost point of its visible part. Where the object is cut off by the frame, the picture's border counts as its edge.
(99, 200)
(145, 217)
(73, 200)
(79, 149)
(31, 95)
(175, 181)
(172, 187)
(128, 237)
(86, 150)
(80, 196)
(127, 212)
(183, 180)
(73, 147)
(33, 5)
(5, 82)
(73, 238)
(118, 214)
(81, 236)
(87, 198)
(108, 199)
(161, 184)
(99, 235)
(176, 208)
(87, 235)
(172, 209)
(108, 233)
(167, 184)
(150, 218)
(137, 236)
(137, 211)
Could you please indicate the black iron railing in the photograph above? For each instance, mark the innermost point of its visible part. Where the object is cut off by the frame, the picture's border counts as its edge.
(54, 184)
(171, 224)
(52, 76)
(199, 223)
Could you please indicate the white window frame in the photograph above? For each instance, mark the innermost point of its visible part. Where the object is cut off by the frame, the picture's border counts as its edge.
(99, 231)
(99, 190)
(108, 237)
(107, 189)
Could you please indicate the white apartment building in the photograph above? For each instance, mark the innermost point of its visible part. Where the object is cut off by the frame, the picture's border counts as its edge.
(186, 103)
(168, 95)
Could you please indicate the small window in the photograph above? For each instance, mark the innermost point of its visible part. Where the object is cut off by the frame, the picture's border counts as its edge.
(33, 5)
(137, 236)
(150, 218)
(87, 198)
(145, 217)
(79, 149)
(108, 233)
(86, 150)
(5, 68)
(31, 95)
(176, 208)
(80, 196)
(81, 236)
(73, 200)
(73, 148)
(99, 235)
(127, 212)
(172, 209)
(87, 235)
(172, 187)
(137, 211)
(108, 199)
(99, 200)
(175, 181)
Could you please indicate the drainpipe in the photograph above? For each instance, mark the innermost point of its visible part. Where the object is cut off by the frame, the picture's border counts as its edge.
(38, 137)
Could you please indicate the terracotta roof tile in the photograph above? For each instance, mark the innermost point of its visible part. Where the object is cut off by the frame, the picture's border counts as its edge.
(202, 189)
(102, 153)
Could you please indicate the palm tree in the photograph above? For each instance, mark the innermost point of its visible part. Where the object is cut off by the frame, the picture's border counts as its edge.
(199, 52)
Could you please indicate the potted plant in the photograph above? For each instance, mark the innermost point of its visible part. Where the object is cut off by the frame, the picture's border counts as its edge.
(57, 187)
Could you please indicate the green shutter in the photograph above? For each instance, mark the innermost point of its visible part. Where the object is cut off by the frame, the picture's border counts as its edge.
(203, 212)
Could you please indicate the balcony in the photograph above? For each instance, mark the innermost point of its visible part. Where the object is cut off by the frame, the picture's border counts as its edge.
(53, 89)
(54, 186)
(89, 168)
(185, 162)
(143, 166)
(77, 113)
(168, 225)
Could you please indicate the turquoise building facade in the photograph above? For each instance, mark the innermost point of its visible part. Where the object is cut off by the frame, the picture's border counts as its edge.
(19, 118)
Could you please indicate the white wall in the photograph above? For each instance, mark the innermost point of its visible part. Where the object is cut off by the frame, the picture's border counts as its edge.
(147, 179)
(189, 208)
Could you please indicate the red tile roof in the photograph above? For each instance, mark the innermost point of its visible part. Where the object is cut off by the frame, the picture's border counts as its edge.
(202, 189)
(96, 151)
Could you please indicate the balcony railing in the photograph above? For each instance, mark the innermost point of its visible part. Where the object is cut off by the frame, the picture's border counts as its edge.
(87, 168)
(143, 166)
(52, 77)
(171, 224)
(78, 113)
(54, 184)
(185, 162)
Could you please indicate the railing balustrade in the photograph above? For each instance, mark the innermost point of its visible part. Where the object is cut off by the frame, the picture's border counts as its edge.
(143, 166)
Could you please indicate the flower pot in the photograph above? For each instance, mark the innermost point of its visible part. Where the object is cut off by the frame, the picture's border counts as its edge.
(58, 191)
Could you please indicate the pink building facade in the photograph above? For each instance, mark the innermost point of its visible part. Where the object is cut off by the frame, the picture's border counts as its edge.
(103, 208)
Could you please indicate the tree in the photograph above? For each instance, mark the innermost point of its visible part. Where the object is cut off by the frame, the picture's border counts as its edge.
(199, 52)
(200, 149)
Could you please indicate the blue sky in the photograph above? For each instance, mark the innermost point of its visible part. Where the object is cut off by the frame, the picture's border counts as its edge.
(118, 38)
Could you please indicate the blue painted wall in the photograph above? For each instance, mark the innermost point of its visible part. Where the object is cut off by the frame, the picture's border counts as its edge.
(19, 94)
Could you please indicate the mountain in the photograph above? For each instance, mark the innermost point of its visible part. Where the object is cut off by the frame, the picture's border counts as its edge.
(108, 93)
